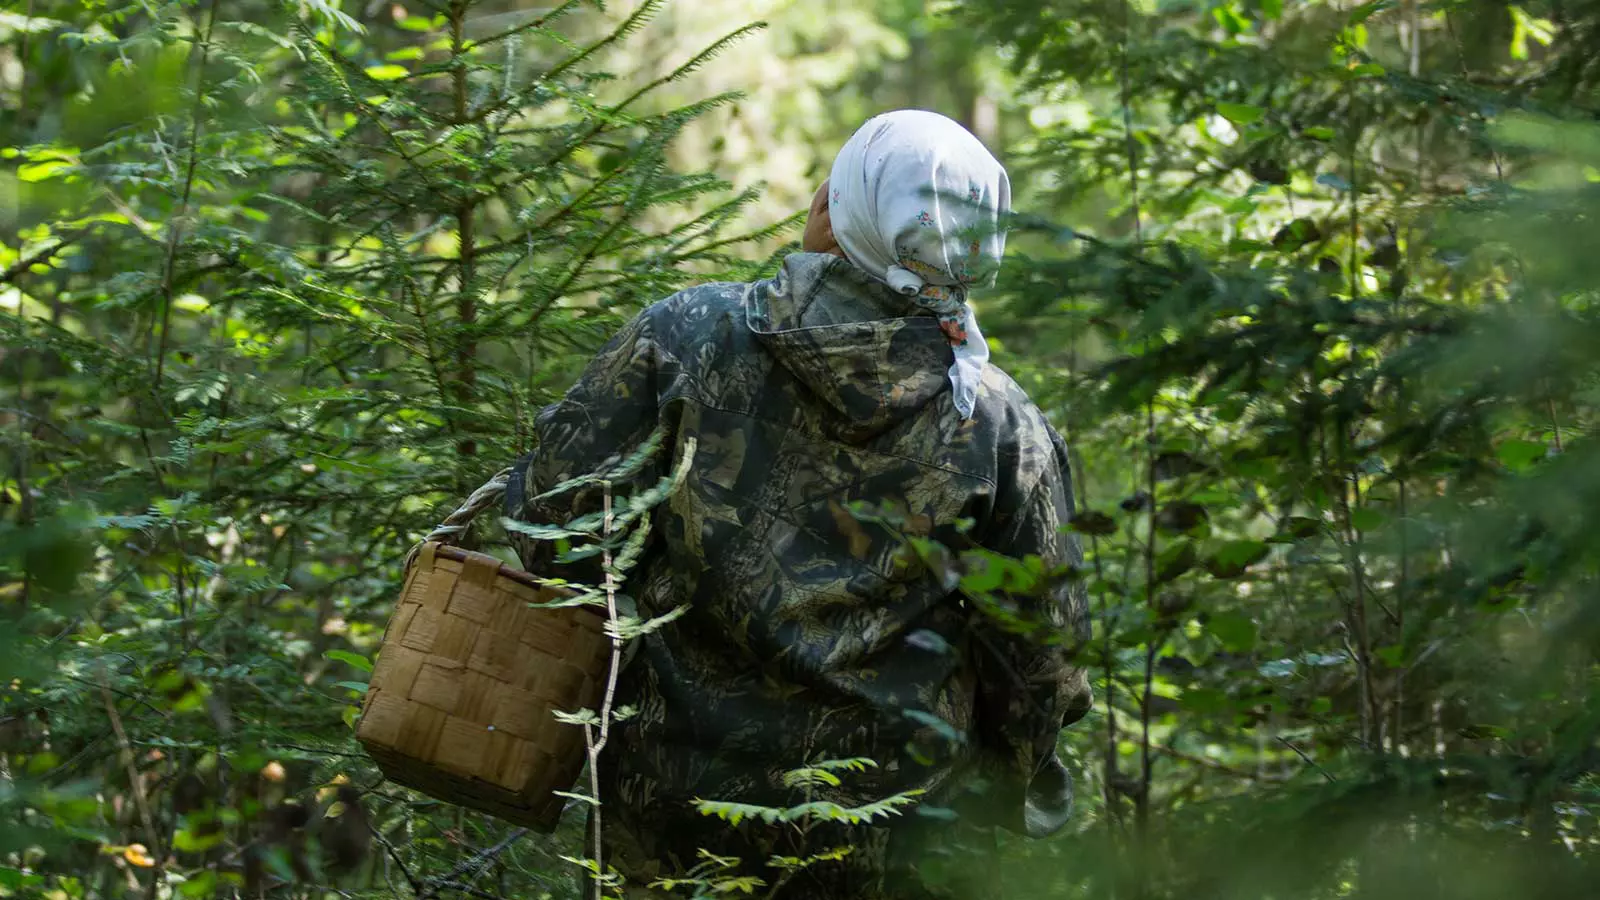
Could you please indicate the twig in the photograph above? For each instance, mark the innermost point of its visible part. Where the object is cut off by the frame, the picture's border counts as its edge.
(140, 801)
(139, 699)
(466, 220)
(41, 422)
(1175, 753)
(477, 861)
(16, 269)
(23, 462)
(1125, 91)
(320, 752)
(596, 735)
(405, 871)
(470, 891)
(202, 52)
(597, 741)
(140, 224)
(1422, 657)
(1308, 760)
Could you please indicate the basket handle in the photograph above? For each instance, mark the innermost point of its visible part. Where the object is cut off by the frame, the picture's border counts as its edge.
(448, 531)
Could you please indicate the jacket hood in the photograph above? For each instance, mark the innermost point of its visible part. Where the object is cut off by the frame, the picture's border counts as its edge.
(866, 352)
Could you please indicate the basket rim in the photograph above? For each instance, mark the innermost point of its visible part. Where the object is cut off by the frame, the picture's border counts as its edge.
(450, 551)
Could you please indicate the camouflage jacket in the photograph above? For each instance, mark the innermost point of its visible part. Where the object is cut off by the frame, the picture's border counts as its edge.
(807, 393)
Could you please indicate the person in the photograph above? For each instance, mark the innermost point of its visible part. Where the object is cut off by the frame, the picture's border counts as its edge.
(854, 379)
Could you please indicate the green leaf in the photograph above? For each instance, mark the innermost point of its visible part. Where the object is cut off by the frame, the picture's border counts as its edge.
(581, 798)
(1277, 668)
(588, 865)
(1283, 668)
(130, 523)
(945, 729)
(1319, 133)
(734, 813)
(277, 860)
(1181, 516)
(810, 778)
(42, 171)
(359, 687)
(1367, 519)
(15, 879)
(1233, 558)
(1367, 10)
(1240, 113)
(1520, 455)
(1393, 655)
(853, 764)
(795, 862)
(983, 576)
(42, 762)
(1094, 522)
(55, 552)
(1300, 528)
(419, 23)
(629, 627)
(1206, 701)
(355, 660)
(581, 717)
(1175, 560)
(12, 23)
(1295, 235)
(1329, 179)
(542, 532)
(1236, 631)
(1229, 18)
(203, 884)
(741, 884)
(1524, 27)
(189, 841)
(387, 72)
(331, 14)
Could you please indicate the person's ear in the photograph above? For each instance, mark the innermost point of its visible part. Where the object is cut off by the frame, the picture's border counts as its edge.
(819, 201)
(818, 237)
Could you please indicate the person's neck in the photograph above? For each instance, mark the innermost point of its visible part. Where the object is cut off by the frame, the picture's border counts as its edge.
(830, 290)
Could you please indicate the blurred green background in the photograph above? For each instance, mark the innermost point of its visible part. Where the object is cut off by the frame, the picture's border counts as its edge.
(1309, 287)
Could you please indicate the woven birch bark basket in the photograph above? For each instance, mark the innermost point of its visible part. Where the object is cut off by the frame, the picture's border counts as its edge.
(470, 672)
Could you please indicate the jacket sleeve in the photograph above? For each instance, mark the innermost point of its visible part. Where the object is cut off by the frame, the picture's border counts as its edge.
(606, 416)
(1030, 685)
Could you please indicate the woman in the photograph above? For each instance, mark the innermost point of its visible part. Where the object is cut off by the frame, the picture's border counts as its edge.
(856, 375)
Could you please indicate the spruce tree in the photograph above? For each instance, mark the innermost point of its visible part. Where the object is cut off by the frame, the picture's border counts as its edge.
(285, 282)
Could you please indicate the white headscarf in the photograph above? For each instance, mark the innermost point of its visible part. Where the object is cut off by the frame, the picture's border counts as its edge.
(916, 200)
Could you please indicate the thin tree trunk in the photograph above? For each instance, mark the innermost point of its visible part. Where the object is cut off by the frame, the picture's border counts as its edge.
(466, 301)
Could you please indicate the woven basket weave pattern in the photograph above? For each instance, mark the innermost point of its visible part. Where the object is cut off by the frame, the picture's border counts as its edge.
(460, 704)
